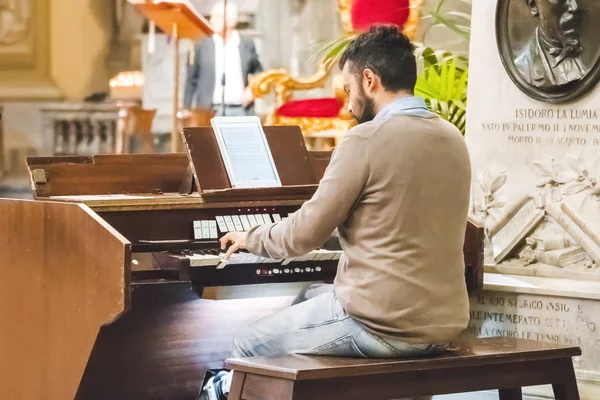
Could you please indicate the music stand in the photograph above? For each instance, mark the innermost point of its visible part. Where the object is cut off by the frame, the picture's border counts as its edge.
(179, 20)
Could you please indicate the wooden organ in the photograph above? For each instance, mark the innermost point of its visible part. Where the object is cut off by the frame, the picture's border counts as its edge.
(106, 274)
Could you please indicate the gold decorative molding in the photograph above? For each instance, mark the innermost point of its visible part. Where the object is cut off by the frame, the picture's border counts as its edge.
(25, 51)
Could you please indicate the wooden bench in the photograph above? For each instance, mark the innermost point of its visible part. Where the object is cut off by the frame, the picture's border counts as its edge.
(505, 364)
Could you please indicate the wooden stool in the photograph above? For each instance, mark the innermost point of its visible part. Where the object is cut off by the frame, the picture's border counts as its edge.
(505, 364)
(134, 121)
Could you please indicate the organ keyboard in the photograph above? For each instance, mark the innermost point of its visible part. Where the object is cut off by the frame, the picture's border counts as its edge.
(104, 272)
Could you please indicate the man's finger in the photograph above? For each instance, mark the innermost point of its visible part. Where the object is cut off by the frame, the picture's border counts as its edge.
(232, 249)
(224, 240)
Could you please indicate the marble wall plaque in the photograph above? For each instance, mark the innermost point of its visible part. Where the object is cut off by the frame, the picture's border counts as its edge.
(521, 146)
(559, 320)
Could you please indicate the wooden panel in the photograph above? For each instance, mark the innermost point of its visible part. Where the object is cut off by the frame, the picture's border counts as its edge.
(165, 14)
(473, 252)
(162, 348)
(108, 174)
(470, 353)
(320, 162)
(64, 273)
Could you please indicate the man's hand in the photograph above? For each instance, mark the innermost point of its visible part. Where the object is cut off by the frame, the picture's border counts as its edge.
(248, 97)
(238, 241)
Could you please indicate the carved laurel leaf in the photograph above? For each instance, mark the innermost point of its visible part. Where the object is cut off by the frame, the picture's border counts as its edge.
(498, 181)
(542, 169)
(574, 187)
(543, 182)
(486, 182)
(574, 163)
(566, 176)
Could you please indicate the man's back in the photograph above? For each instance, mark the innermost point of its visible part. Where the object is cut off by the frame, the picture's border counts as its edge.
(402, 274)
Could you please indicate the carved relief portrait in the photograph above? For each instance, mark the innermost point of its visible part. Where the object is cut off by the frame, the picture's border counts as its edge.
(14, 21)
(550, 48)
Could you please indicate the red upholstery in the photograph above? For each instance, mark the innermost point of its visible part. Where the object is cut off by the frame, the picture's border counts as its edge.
(366, 13)
(327, 107)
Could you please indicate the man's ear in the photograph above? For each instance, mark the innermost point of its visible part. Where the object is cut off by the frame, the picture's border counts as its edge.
(533, 7)
(369, 80)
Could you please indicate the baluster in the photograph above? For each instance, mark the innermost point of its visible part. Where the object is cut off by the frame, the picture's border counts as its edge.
(72, 129)
(59, 137)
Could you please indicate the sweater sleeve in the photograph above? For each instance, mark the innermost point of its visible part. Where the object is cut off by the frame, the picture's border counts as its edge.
(310, 227)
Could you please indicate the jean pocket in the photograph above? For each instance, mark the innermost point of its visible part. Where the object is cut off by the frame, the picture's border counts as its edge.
(337, 310)
(342, 347)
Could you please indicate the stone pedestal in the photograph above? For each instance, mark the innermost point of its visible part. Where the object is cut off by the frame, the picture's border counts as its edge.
(546, 309)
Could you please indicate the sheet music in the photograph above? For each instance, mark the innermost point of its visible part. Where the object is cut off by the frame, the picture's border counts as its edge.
(245, 151)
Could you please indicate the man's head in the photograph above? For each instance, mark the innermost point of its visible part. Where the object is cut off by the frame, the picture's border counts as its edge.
(219, 21)
(559, 22)
(377, 67)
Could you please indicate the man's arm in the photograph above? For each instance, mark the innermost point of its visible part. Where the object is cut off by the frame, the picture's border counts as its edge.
(191, 80)
(310, 227)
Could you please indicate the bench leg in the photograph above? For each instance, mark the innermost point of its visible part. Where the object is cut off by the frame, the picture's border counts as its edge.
(510, 394)
(566, 390)
(237, 383)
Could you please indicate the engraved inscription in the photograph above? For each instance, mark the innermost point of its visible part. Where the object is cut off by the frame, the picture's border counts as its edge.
(543, 318)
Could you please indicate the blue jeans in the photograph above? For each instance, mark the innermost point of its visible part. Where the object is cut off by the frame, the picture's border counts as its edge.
(317, 324)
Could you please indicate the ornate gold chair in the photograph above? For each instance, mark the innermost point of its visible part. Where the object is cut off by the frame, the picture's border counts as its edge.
(324, 120)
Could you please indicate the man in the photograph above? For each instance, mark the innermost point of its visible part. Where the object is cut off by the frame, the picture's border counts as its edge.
(397, 190)
(203, 87)
(552, 56)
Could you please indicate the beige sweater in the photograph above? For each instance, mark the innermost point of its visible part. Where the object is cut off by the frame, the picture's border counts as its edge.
(398, 192)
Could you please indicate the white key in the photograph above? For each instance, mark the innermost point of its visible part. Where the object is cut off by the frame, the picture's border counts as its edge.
(259, 219)
(203, 260)
(266, 218)
(276, 217)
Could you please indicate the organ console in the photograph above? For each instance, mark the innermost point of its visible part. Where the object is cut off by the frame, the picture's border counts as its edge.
(106, 274)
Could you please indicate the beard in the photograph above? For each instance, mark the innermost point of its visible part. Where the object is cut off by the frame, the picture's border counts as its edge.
(365, 107)
(569, 24)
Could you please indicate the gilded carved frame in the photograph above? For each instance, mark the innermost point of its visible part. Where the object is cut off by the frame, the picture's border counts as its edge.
(25, 69)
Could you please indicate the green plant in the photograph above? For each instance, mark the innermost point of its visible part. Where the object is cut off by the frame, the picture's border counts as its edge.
(443, 85)
(456, 21)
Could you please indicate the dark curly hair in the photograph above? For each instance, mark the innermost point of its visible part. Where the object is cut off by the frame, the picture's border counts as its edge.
(388, 53)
